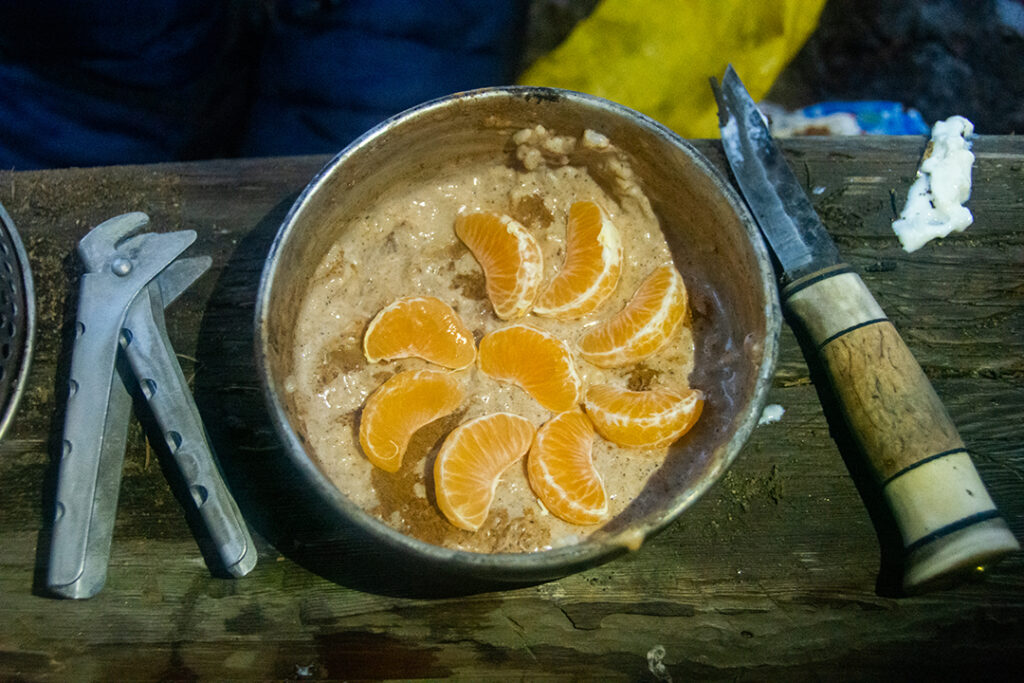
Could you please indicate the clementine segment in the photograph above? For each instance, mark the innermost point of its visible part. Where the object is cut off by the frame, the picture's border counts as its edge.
(651, 418)
(401, 405)
(593, 261)
(420, 327)
(470, 464)
(561, 469)
(643, 327)
(535, 361)
(510, 257)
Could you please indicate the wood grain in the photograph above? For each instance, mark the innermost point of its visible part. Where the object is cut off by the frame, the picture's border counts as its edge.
(784, 570)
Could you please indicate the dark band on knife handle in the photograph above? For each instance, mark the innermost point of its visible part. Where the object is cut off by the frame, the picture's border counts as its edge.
(944, 513)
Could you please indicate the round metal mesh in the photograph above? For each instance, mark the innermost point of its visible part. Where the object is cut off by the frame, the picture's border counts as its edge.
(17, 319)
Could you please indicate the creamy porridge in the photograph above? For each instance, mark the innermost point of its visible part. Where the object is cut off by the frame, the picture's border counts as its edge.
(405, 245)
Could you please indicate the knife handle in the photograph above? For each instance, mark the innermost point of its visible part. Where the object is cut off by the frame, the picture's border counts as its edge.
(947, 520)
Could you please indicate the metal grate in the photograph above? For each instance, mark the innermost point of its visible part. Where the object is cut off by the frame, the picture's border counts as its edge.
(17, 319)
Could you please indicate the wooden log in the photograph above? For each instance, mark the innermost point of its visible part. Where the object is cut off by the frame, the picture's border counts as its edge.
(778, 572)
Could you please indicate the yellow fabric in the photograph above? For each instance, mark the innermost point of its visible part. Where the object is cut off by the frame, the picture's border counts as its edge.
(656, 55)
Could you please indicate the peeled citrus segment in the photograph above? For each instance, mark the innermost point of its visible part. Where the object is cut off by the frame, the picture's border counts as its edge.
(471, 462)
(401, 405)
(643, 327)
(510, 257)
(561, 469)
(535, 361)
(651, 418)
(419, 327)
(593, 261)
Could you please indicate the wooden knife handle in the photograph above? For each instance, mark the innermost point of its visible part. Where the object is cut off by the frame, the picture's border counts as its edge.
(948, 522)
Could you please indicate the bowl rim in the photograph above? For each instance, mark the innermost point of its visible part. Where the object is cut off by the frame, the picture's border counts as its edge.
(557, 560)
(16, 389)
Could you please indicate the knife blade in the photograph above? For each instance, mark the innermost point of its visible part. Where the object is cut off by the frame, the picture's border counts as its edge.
(797, 237)
(949, 524)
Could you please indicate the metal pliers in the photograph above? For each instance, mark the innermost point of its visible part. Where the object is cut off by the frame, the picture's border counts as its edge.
(129, 279)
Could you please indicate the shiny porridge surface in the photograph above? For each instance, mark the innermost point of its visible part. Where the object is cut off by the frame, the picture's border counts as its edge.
(404, 244)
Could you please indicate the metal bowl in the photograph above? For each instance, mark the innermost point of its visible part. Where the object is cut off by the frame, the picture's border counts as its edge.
(17, 320)
(714, 241)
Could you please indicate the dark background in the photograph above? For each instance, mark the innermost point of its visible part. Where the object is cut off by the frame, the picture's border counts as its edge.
(99, 82)
(942, 57)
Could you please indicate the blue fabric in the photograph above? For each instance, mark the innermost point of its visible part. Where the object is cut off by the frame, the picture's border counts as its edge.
(95, 82)
(143, 42)
(44, 123)
(92, 82)
(327, 77)
(874, 117)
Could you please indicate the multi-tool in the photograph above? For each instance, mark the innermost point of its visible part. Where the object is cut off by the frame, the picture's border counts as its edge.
(121, 343)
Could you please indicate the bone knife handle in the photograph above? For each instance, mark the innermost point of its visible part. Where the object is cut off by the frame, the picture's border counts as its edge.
(947, 520)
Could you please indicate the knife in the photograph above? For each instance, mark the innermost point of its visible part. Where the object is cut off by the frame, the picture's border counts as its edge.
(949, 525)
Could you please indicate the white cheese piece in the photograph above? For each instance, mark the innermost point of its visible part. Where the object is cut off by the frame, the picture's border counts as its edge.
(934, 205)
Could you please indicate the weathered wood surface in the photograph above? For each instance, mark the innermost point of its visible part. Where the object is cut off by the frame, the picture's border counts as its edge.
(780, 572)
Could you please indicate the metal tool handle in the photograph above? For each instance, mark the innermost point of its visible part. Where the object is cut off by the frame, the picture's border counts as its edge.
(948, 521)
(92, 450)
(163, 384)
(95, 420)
(118, 266)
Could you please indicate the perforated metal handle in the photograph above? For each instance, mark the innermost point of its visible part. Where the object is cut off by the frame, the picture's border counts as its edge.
(165, 388)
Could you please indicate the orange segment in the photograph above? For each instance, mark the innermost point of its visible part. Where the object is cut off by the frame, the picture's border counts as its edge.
(471, 462)
(561, 469)
(401, 405)
(510, 257)
(535, 361)
(593, 261)
(420, 327)
(643, 327)
(651, 418)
